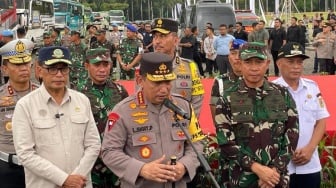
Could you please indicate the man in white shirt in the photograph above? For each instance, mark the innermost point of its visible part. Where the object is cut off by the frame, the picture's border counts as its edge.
(55, 135)
(305, 167)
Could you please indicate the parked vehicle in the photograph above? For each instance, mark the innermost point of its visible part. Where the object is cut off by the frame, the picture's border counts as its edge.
(247, 18)
(212, 11)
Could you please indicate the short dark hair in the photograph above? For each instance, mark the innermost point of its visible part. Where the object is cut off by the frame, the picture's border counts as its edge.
(239, 23)
(262, 21)
(223, 25)
(231, 25)
(254, 24)
(295, 18)
(211, 29)
(21, 31)
(209, 23)
(193, 29)
(278, 19)
(88, 27)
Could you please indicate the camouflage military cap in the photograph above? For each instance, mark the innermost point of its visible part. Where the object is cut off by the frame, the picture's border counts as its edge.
(96, 55)
(164, 25)
(54, 54)
(253, 49)
(157, 66)
(74, 32)
(17, 51)
(100, 31)
(292, 49)
(46, 34)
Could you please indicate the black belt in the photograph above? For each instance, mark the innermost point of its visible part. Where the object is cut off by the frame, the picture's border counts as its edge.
(9, 158)
(224, 55)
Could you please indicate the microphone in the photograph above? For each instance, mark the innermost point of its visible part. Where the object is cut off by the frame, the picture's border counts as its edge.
(173, 162)
(57, 116)
(169, 104)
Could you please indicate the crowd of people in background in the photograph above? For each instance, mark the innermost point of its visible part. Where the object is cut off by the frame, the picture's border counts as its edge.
(79, 128)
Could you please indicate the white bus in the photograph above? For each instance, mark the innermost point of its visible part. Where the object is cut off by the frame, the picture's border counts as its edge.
(41, 13)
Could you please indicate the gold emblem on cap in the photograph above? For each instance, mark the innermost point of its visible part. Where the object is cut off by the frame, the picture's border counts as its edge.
(296, 50)
(159, 23)
(162, 69)
(58, 53)
(20, 47)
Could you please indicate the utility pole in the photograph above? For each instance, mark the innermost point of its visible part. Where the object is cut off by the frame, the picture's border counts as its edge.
(132, 11)
(141, 10)
(149, 11)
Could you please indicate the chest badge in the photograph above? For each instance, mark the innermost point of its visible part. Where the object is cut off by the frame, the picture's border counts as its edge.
(145, 152)
(141, 121)
(9, 126)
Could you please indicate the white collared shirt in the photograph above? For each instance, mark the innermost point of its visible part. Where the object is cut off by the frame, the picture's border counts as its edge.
(310, 107)
(52, 147)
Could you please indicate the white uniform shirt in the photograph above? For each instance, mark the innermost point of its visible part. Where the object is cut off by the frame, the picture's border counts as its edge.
(311, 108)
(51, 147)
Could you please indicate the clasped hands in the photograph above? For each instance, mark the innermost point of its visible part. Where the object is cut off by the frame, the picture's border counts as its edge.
(160, 172)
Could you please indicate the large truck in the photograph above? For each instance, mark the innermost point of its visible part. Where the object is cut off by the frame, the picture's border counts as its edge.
(70, 13)
(212, 11)
(116, 17)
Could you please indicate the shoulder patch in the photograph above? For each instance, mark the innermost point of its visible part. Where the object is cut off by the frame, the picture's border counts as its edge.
(179, 96)
(112, 119)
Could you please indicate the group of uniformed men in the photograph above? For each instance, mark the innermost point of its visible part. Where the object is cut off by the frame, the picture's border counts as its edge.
(52, 134)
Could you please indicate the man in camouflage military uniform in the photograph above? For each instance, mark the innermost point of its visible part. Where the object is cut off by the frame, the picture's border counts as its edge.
(66, 37)
(226, 80)
(77, 50)
(141, 133)
(188, 82)
(55, 37)
(256, 125)
(17, 64)
(104, 95)
(129, 53)
(104, 43)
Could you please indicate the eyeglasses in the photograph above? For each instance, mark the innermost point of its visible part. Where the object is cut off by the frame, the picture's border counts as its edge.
(54, 70)
(46, 37)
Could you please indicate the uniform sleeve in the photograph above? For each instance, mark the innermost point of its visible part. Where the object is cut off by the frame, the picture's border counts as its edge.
(92, 145)
(24, 143)
(322, 111)
(113, 155)
(250, 37)
(189, 159)
(226, 138)
(214, 92)
(290, 138)
(197, 93)
(215, 43)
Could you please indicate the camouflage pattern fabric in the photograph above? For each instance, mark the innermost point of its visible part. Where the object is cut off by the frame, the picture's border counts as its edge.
(128, 49)
(102, 98)
(108, 45)
(78, 71)
(221, 83)
(255, 125)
